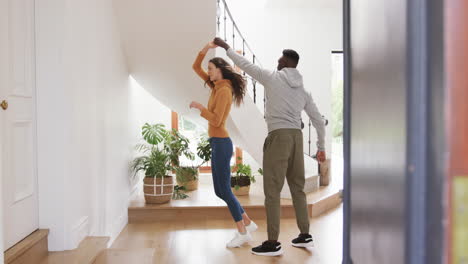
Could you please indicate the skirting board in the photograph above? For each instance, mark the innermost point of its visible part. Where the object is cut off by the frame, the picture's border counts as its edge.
(78, 233)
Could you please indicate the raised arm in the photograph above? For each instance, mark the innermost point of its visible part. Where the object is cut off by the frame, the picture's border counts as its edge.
(251, 69)
(197, 67)
(317, 121)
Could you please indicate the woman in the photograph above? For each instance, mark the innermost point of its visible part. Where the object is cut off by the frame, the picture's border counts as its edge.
(226, 85)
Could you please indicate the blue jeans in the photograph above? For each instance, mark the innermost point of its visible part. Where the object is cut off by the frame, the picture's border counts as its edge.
(221, 153)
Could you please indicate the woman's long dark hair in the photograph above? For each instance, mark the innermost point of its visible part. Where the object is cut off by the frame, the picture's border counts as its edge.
(237, 80)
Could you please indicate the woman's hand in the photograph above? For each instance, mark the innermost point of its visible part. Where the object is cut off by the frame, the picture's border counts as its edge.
(196, 105)
(211, 45)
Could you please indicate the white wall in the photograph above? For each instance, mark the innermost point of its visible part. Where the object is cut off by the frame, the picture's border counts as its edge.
(89, 118)
(312, 28)
(161, 39)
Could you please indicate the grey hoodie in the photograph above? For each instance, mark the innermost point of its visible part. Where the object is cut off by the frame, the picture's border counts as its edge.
(285, 97)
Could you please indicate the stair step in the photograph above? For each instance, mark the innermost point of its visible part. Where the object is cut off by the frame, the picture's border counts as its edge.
(327, 203)
(125, 256)
(319, 203)
(30, 249)
(86, 253)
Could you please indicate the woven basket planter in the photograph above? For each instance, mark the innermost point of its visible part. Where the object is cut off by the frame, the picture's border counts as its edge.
(158, 190)
(191, 185)
(186, 179)
(244, 190)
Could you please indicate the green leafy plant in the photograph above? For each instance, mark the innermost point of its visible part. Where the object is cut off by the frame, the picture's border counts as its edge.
(178, 193)
(155, 164)
(186, 174)
(156, 161)
(154, 134)
(242, 171)
(177, 145)
(204, 150)
(189, 173)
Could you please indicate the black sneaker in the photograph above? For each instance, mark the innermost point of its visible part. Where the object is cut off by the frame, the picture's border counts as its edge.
(303, 240)
(268, 249)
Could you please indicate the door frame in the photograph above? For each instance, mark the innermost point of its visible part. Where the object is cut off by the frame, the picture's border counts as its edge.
(2, 122)
(426, 147)
(346, 258)
(3, 5)
(425, 152)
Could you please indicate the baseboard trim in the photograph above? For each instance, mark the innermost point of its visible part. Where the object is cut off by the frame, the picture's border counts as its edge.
(79, 232)
(118, 226)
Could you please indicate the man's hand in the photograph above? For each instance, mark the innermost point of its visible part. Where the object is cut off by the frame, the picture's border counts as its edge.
(321, 157)
(196, 105)
(221, 43)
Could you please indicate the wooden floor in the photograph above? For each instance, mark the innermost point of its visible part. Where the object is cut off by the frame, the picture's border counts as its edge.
(86, 252)
(186, 241)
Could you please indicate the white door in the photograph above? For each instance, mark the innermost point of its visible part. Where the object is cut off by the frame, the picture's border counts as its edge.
(18, 146)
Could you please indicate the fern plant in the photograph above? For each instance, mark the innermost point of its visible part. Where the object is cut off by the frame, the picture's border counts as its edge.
(155, 164)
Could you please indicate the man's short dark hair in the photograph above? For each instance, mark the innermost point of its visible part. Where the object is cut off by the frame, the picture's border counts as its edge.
(292, 55)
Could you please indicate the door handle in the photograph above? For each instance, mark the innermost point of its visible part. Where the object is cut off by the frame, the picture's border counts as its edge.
(4, 105)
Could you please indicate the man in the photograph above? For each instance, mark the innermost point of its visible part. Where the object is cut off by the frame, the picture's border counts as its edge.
(283, 154)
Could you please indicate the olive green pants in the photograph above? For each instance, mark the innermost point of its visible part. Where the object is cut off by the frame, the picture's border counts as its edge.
(283, 157)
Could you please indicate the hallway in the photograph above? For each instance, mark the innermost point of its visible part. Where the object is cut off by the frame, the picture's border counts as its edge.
(79, 79)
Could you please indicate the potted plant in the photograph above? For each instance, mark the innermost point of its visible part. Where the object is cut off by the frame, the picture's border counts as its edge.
(177, 145)
(179, 193)
(156, 165)
(240, 182)
(203, 150)
(187, 176)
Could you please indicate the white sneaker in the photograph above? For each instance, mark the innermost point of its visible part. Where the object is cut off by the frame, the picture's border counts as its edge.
(252, 227)
(239, 240)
